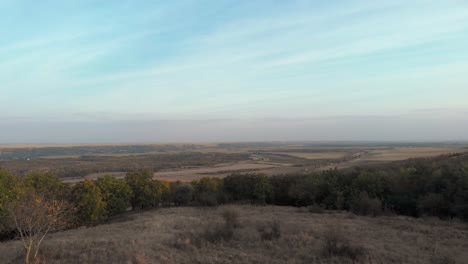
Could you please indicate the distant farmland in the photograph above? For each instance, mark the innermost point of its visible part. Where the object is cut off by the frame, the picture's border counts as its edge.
(186, 162)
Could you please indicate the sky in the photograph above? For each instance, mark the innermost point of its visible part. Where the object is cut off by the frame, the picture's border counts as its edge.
(166, 71)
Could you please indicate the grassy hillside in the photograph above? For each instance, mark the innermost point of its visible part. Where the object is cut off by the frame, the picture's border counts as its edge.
(198, 235)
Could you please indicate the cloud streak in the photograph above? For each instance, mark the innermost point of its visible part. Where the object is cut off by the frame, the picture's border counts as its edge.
(224, 60)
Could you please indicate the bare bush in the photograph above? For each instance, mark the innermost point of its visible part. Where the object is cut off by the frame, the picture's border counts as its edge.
(270, 230)
(34, 216)
(336, 244)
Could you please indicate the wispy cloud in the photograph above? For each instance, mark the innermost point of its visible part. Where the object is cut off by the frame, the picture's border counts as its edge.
(227, 60)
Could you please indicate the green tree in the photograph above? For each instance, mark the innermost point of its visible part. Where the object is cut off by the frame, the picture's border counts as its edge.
(166, 193)
(433, 204)
(11, 190)
(47, 185)
(262, 189)
(89, 202)
(146, 191)
(303, 190)
(183, 194)
(208, 190)
(116, 194)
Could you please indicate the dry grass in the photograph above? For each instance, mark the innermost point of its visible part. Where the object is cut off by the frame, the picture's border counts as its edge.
(403, 153)
(318, 155)
(166, 236)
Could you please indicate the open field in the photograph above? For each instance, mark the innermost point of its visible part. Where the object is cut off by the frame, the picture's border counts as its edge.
(155, 237)
(219, 170)
(188, 161)
(401, 153)
(320, 155)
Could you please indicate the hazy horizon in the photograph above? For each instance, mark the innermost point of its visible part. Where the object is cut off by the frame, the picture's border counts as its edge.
(230, 71)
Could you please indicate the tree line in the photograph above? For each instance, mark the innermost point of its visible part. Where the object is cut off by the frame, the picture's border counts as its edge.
(434, 187)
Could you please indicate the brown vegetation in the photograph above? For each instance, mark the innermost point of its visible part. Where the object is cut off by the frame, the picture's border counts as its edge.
(149, 237)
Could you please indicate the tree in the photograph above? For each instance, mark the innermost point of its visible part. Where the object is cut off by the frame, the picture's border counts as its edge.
(240, 187)
(303, 190)
(89, 202)
(34, 216)
(262, 191)
(166, 193)
(208, 190)
(146, 192)
(11, 190)
(116, 194)
(433, 204)
(183, 194)
(47, 184)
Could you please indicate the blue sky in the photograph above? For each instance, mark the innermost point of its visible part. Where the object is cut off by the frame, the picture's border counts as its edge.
(256, 64)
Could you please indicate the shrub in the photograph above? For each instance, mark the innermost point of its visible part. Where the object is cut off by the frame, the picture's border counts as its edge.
(231, 217)
(336, 244)
(184, 240)
(315, 209)
(364, 205)
(270, 230)
(215, 232)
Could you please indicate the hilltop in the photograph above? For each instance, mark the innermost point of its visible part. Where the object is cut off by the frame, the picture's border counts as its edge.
(179, 235)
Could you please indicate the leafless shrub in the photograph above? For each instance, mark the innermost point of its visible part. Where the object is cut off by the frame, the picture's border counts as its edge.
(34, 216)
(336, 244)
(270, 230)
